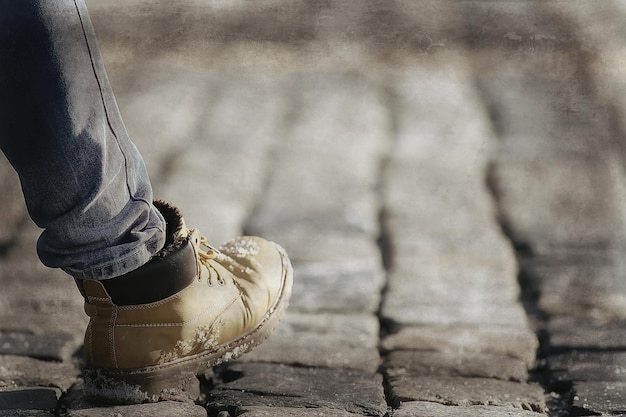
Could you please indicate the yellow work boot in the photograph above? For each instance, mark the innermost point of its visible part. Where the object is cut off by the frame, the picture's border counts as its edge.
(189, 308)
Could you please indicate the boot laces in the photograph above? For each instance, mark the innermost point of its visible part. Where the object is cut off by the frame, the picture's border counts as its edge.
(205, 256)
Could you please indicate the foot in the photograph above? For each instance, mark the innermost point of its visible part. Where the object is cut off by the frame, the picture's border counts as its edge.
(191, 307)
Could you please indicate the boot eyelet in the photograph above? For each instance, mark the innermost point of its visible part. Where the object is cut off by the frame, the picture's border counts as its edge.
(221, 282)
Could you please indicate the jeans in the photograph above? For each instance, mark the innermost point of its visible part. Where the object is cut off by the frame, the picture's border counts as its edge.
(84, 182)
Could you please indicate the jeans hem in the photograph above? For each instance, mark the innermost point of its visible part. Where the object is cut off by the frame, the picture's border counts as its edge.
(120, 266)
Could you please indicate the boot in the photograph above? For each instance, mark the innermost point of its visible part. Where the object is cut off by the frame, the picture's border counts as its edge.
(190, 307)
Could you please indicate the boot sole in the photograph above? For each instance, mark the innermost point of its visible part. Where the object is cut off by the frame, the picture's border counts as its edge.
(177, 380)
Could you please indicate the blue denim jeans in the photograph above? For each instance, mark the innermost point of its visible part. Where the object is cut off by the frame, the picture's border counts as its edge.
(84, 182)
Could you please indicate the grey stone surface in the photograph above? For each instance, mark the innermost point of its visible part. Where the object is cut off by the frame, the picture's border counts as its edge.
(466, 392)
(316, 181)
(540, 106)
(322, 340)
(29, 401)
(580, 365)
(291, 412)
(14, 209)
(23, 371)
(467, 365)
(554, 201)
(433, 209)
(580, 283)
(605, 398)
(431, 409)
(348, 287)
(510, 26)
(439, 118)
(167, 408)
(491, 340)
(587, 333)
(50, 346)
(346, 390)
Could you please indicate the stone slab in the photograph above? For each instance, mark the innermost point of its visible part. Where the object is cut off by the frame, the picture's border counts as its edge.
(576, 365)
(467, 365)
(322, 340)
(430, 409)
(36, 401)
(321, 191)
(333, 272)
(539, 103)
(455, 279)
(402, 310)
(51, 346)
(346, 390)
(426, 190)
(452, 289)
(510, 26)
(492, 340)
(579, 283)
(291, 412)
(24, 371)
(14, 212)
(466, 392)
(430, 208)
(437, 112)
(165, 408)
(337, 287)
(604, 398)
(586, 333)
(564, 201)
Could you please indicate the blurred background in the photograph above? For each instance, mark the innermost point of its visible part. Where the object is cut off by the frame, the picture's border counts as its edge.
(453, 169)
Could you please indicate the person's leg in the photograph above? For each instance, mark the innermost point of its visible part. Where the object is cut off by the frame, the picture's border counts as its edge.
(83, 180)
(153, 324)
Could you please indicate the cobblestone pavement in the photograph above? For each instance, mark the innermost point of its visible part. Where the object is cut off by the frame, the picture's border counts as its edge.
(447, 176)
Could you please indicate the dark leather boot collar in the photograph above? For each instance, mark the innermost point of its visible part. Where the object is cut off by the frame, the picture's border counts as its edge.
(160, 278)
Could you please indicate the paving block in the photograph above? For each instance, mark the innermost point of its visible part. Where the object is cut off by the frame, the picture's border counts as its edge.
(402, 311)
(47, 346)
(333, 272)
(519, 343)
(450, 291)
(600, 397)
(453, 278)
(319, 179)
(322, 340)
(56, 307)
(346, 390)
(577, 365)
(511, 26)
(291, 412)
(564, 201)
(430, 409)
(13, 207)
(320, 190)
(468, 365)
(310, 247)
(540, 104)
(27, 372)
(586, 333)
(29, 401)
(165, 408)
(341, 288)
(410, 235)
(579, 283)
(428, 206)
(439, 116)
(466, 391)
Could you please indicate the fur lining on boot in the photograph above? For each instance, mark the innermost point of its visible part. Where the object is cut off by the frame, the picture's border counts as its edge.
(176, 232)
